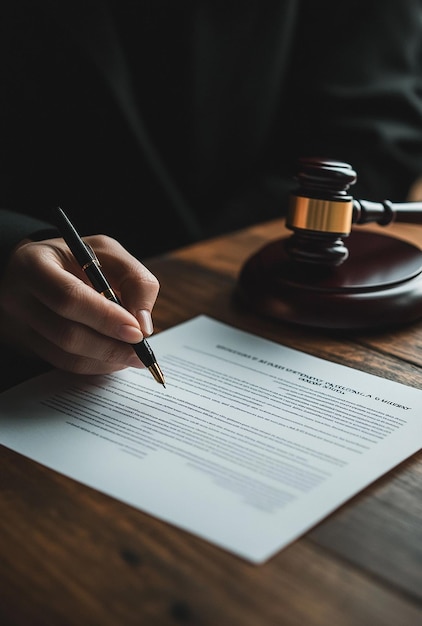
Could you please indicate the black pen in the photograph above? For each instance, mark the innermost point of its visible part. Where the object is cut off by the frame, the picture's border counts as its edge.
(88, 261)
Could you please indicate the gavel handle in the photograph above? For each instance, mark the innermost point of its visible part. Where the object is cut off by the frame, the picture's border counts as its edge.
(383, 213)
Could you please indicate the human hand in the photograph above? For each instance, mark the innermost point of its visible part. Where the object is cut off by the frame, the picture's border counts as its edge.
(49, 309)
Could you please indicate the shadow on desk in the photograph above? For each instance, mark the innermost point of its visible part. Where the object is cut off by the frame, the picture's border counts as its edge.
(18, 367)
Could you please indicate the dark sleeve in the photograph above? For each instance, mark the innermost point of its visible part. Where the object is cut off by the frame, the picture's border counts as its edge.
(357, 85)
(16, 226)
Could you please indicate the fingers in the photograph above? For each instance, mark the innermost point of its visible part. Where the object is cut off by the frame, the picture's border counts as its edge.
(80, 364)
(61, 359)
(46, 306)
(136, 287)
(76, 299)
(73, 346)
(127, 277)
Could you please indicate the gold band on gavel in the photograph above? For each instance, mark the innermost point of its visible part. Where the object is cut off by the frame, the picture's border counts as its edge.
(327, 216)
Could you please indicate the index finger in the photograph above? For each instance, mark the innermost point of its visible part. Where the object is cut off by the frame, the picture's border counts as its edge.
(136, 287)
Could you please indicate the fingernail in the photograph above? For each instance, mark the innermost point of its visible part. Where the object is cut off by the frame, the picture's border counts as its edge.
(145, 321)
(130, 334)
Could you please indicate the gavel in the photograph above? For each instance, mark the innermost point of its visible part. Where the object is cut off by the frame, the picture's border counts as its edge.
(303, 278)
(322, 212)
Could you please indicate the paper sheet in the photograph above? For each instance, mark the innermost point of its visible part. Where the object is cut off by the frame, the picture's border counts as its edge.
(249, 446)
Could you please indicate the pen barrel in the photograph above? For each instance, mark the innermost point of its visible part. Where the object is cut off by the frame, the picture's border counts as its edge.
(99, 282)
(89, 263)
(145, 353)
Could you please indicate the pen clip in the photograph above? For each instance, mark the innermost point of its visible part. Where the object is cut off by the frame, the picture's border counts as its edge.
(94, 258)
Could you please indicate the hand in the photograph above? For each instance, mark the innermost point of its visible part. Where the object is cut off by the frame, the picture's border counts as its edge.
(49, 309)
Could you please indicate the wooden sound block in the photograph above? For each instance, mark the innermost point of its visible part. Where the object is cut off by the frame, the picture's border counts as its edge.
(379, 285)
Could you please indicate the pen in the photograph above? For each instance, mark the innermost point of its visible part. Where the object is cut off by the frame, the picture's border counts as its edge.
(88, 261)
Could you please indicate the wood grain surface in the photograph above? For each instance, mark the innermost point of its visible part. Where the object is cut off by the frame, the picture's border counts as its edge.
(72, 556)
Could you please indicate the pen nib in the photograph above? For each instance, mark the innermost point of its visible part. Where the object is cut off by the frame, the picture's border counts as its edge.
(157, 373)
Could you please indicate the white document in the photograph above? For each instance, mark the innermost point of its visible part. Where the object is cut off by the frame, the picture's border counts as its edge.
(249, 445)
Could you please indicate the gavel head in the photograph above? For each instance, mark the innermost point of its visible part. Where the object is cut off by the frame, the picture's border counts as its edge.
(320, 212)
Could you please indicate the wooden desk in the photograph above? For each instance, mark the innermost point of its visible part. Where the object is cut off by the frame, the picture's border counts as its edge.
(72, 556)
